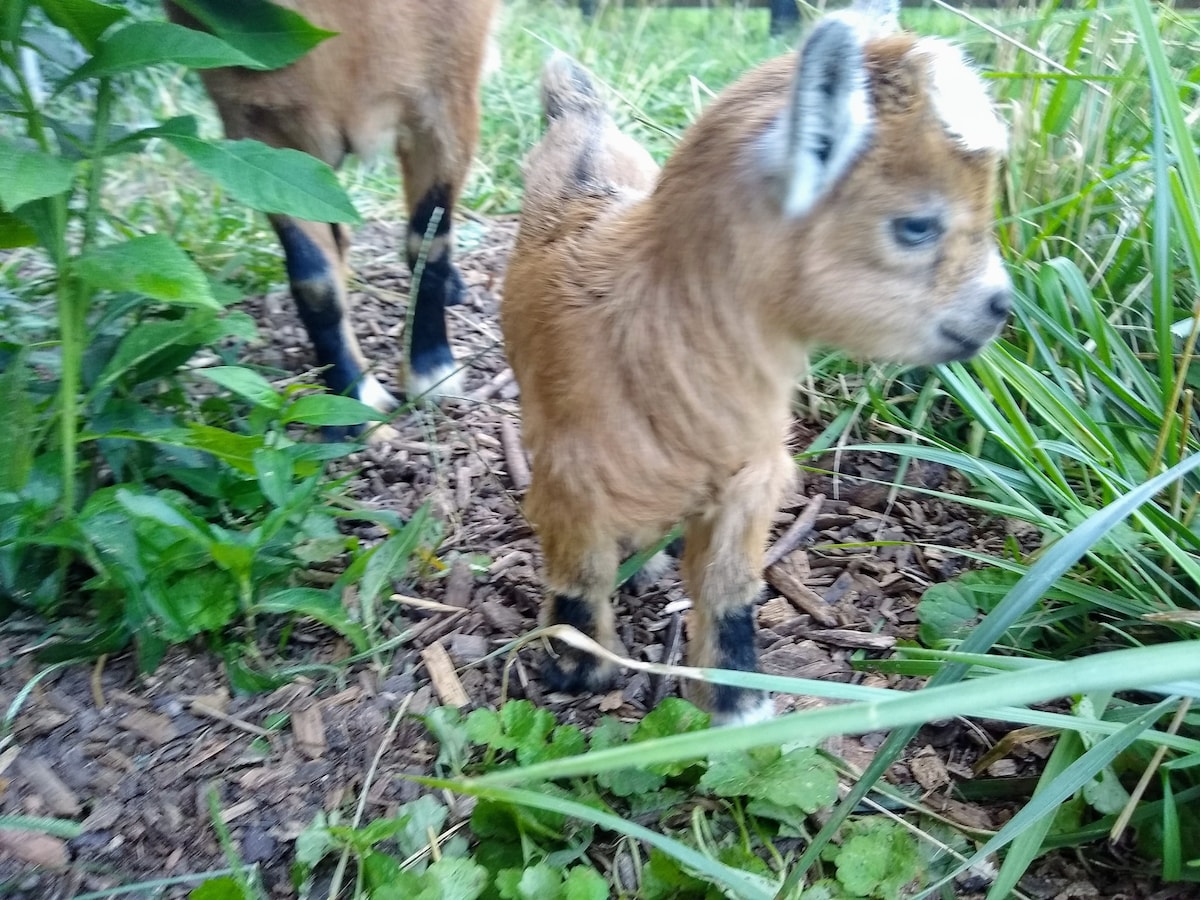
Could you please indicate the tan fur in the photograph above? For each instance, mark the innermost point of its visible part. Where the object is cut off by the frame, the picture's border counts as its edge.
(399, 73)
(656, 327)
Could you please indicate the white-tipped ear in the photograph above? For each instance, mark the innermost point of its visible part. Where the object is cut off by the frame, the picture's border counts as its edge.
(829, 118)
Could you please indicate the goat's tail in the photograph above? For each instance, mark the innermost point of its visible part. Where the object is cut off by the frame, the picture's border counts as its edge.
(568, 89)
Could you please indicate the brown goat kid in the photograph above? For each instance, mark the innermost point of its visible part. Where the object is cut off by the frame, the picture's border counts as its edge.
(656, 322)
(400, 72)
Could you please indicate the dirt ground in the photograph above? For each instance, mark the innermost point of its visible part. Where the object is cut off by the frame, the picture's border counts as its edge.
(141, 761)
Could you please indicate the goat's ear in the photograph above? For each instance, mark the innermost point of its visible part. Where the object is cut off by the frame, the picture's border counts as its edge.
(828, 120)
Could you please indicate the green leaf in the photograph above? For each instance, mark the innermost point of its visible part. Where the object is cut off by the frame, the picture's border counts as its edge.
(86, 20)
(538, 882)
(316, 604)
(150, 343)
(947, 612)
(391, 559)
(270, 179)
(329, 409)
(246, 383)
(583, 883)
(153, 265)
(275, 471)
(453, 878)
(878, 860)
(800, 777)
(155, 508)
(272, 35)
(421, 817)
(14, 232)
(144, 44)
(29, 174)
(224, 887)
(315, 841)
(386, 880)
(237, 450)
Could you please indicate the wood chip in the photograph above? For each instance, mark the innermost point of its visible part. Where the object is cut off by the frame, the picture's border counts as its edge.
(796, 534)
(7, 758)
(42, 780)
(153, 727)
(309, 730)
(929, 770)
(514, 454)
(460, 583)
(774, 612)
(783, 578)
(842, 637)
(34, 848)
(443, 677)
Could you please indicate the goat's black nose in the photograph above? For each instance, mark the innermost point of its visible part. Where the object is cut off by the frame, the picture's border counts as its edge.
(1000, 304)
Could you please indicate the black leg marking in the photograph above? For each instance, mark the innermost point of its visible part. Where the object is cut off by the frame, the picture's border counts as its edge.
(735, 641)
(316, 296)
(441, 286)
(574, 670)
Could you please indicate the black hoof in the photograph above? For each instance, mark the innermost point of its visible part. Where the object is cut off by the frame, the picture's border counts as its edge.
(573, 672)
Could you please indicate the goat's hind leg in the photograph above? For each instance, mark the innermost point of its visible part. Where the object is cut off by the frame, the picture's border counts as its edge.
(315, 253)
(579, 584)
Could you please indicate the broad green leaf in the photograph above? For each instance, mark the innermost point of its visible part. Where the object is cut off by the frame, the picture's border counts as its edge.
(246, 383)
(150, 340)
(272, 35)
(271, 179)
(147, 506)
(152, 265)
(329, 409)
(800, 777)
(29, 174)
(86, 20)
(391, 558)
(15, 233)
(237, 450)
(144, 44)
(275, 470)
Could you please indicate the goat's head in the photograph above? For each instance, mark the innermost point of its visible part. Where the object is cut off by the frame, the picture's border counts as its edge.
(885, 164)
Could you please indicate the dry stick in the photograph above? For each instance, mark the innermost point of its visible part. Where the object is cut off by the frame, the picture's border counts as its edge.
(800, 529)
(514, 454)
(1144, 782)
(97, 687)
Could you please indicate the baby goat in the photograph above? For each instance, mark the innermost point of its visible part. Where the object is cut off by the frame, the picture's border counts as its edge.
(405, 72)
(656, 322)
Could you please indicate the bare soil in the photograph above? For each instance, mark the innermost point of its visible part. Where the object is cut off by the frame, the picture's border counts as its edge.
(146, 762)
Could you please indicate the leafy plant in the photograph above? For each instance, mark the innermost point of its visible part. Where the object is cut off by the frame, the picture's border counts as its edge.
(169, 516)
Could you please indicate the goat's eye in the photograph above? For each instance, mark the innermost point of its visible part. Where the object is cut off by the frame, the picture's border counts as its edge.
(916, 231)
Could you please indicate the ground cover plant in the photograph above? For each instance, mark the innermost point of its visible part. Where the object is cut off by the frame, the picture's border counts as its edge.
(1080, 423)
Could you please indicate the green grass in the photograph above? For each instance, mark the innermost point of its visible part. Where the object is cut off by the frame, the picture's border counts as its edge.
(1081, 421)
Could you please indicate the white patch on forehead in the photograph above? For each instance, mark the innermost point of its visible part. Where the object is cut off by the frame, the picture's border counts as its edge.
(960, 98)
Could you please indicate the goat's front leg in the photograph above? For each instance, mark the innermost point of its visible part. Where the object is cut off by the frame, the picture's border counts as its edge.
(581, 570)
(722, 566)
